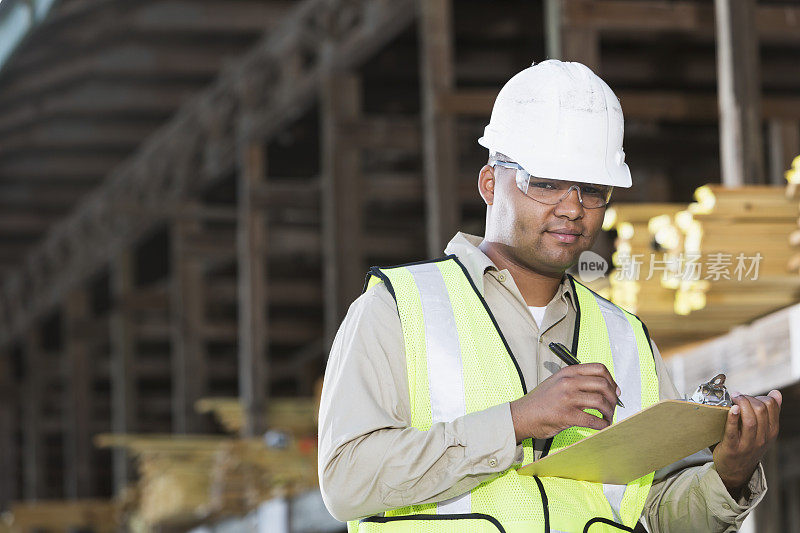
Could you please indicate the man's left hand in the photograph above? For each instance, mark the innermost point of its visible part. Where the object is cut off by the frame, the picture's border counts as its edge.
(751, 427)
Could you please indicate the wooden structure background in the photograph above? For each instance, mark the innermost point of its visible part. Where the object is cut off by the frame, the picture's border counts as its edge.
(191, 190)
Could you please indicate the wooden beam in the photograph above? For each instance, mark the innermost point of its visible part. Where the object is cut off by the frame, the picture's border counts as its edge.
(123, 363)
(773, 23)
(100, 98)
(568, 41)
(187, 309)
(99, 516)
(382, 132)
(757, 357)
(553, 18)
(60, 196)
(342, 228)
(768, 515)
(26, 222)
(9, 450)
(104, 25)
(31, 400)
(784, 146)
(442, 209)
(209, 16)
(73, 135)
(638, 104)
(78, 406)
(252, 291)
(128, 59)
(739, 92)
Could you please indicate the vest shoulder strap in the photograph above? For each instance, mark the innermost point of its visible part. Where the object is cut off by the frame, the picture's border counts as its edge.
(577, 285)
(377, 274)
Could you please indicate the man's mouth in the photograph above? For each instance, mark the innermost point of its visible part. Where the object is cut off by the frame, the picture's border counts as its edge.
(565, 235)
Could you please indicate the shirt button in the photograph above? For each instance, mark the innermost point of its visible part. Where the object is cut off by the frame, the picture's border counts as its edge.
(726, 506)
(501, 278)
(493, 462)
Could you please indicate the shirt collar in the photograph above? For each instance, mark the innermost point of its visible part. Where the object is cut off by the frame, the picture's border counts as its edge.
(465, 246)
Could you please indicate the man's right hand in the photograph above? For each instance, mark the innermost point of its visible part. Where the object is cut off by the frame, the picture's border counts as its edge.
(559, 401)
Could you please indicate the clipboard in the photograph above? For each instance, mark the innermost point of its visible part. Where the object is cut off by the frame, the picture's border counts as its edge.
(651, 439)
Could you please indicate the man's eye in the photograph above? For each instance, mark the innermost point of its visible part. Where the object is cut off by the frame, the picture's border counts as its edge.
(542, 185)
(592, 190)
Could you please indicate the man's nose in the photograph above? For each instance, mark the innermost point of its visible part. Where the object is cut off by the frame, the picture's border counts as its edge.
(570, 205)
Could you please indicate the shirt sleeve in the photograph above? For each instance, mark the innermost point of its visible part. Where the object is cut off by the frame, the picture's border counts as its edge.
(370, 458)
(689, 494)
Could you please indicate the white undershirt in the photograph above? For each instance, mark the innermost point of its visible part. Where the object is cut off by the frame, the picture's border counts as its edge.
(538, 314)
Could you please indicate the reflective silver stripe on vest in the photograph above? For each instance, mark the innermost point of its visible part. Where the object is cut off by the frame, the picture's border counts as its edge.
(627, 373)
(445, 369)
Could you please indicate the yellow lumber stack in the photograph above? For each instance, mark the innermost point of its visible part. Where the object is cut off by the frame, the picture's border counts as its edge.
(630, 286)
(246, 473)
(741, 239)
(186, 479)
(174, 474)
(293, 415)
(793, 194)
(51, 516)
(649, 240)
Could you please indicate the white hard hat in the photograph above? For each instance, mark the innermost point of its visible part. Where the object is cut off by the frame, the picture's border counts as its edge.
(561, 121)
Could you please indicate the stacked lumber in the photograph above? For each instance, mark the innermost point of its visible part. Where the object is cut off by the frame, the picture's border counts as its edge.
(186, 479)
(793, 194)
(247, 472)
(99, 516)
(649, 241)
(292, 415)
(174, 475)
(741, 236)
(632, 287)
(726, 232)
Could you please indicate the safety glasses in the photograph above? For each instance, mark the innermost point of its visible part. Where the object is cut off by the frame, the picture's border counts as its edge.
(551, 192)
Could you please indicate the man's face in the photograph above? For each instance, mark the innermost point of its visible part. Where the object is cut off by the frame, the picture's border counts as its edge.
(544, 238)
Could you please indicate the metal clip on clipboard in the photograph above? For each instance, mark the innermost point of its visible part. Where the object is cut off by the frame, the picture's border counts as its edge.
(713, 392)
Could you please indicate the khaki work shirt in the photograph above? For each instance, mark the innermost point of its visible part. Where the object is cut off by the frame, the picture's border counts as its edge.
(371, 459)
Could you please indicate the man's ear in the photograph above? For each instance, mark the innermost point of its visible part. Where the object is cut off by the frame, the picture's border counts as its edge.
(486, 184)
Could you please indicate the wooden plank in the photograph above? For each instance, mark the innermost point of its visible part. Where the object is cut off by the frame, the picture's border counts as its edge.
(437, 77)
(9, 458)
(574, 41)
(768, 515)
(651, 105)
(401, 133)
(187, 304)
(123, 363)
(553, 20)
(773, 23)
(253, 291)
(100, 98)
(756, 357)
(209, 16)
(63, 134)
(100, 516)
(46, 196)
(25, 222)
(31, 401)
(342, 200)
(784, 146)
(77, 389)
(739, 92)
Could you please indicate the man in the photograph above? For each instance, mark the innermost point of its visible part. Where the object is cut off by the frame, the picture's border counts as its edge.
(440, 382)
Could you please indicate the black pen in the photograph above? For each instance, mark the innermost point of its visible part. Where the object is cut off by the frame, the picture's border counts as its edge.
(562, 353)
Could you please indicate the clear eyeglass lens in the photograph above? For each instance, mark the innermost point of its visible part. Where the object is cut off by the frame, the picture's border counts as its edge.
(553, 191)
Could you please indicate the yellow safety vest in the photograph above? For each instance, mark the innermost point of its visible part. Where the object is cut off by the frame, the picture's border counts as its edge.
(458, 362)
